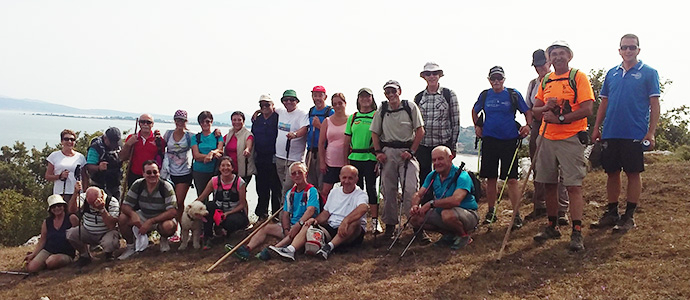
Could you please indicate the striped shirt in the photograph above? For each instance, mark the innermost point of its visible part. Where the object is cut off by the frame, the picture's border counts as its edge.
(152, 204)
(441, 122)
(93, 222)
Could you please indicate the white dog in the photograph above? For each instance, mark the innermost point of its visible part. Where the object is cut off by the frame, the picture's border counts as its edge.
(191, 220)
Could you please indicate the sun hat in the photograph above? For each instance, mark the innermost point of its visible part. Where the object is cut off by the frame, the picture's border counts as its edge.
(55, 199)
(289, 93)
(497, 70)
(265, 97)
(538, 58)
(180, 114)
(431, 67)
(559, 44)
(319, 88)
(367, 90)
(391, 83)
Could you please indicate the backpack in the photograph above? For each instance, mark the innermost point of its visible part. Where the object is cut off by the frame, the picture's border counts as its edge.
(571, 81)
(477, 189)
(514, 99)
(445, 92)
(305, 197)
(216, 169)
(141, 188)
(87, 208)
(477, 192)
(404, 105)
(316, 238)
(326, 110)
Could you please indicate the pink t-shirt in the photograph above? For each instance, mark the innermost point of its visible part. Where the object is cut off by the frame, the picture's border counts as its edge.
(335, 149)
(231, 149)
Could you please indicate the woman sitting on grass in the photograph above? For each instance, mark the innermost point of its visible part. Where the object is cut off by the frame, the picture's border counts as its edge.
(53, 250)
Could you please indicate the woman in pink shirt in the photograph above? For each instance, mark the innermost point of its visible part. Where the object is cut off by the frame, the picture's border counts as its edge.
(332, 145)
(239, 145)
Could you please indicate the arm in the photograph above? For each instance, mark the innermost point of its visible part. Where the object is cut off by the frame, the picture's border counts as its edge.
(72, 206)
(249, 147)
(601, 115)
(454, 121)
(348, 142)
(301, 132)
(196, 154)
(380, 156)
(584, 111)
(322, 148)
(169, 214)
(50, 170)
(449, 202)
(477, 128)
(352, 219)
(655, 110)
(295, 228)
(126, 151)
(419, 134)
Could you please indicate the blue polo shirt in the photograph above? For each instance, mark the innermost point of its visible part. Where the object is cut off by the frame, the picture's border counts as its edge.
(628, 93)
(447, 187)
(313, 134)
(299, 205)
(265, 132)
(499, 119)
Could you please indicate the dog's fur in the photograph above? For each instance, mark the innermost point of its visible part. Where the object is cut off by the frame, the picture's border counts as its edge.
(196, 210)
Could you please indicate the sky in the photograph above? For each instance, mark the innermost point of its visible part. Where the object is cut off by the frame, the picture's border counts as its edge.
(160, 56)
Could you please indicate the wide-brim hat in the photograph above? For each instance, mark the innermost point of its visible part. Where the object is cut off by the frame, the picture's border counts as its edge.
(559, 44)
(431, 67)
(55, 199)
(289, 93)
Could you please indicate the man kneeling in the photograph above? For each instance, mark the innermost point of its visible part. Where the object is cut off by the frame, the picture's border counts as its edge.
(343, 218)
(453, 210)
(155, 202)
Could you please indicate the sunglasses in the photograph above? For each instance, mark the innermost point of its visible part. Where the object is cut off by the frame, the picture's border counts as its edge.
(69, 139)
(290, 99)
(497, 78)
(429, 73)
(295, 173)
(264, 104)
(207, 121)
(145, 122)
(626, 47)
(151, 172)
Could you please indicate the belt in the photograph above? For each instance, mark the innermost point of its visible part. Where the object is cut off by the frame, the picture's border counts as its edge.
(397, 144)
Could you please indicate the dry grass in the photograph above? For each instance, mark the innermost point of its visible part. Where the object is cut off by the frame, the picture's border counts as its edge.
(647, 263)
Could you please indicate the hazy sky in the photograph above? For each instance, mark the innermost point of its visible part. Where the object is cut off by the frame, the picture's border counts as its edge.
(158, 56)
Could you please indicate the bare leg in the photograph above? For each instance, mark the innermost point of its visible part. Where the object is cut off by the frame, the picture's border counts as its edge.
(576, 204)
(634, 187)
(613, 186)
(491, 193)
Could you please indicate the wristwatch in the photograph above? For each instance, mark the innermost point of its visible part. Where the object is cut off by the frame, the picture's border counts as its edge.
(561, 119)
(301, 223)
(431, 203)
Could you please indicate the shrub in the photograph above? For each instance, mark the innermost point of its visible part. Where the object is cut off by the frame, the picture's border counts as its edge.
(20, 217)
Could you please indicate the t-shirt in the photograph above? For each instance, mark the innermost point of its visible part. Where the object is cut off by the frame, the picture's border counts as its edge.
(397, 127)
(335, 152)
(178, 154)
(60, 163)
(499, 119)
(291, 122)
(313, 134)
(145, 149)
(152, 204)
(447, 188)
(265, 132)
(299, 205)
(93, 222)
(561, 90)
(339, 205)
(208, 143)
(360, 136)
(628, 93)
(231, 149)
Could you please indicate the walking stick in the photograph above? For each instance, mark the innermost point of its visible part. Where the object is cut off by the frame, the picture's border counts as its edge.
(419, 230)
(399, 233)
(14, 273)
(402, 197)
(129, 163)
(220, 260)
(77, 177)
(522, 193)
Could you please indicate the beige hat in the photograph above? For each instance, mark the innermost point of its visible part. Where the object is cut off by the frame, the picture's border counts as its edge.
(55, 199)
(431, 67)
(265, 97)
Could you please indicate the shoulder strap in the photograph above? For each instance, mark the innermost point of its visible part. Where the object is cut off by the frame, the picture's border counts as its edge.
(573, 84)
(189, 138)
(418, 97)
(406, 107)
(352, 119)
(482, 99)
(545, 80)
(107, 201)
(198, 138)
(311, 112)
(445, 92)
(167, 135)
(513, 99)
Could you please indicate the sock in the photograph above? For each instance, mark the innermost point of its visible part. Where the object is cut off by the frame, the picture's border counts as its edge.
(577, 225)
(290, 248)
(613, 207)
(130, 246)
(553, 221)
(630, 209)
(330, 244)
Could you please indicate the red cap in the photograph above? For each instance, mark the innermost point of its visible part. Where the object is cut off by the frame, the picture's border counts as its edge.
(319, 88)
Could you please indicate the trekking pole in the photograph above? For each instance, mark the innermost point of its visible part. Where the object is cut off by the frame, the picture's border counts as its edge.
(478, 146)
(419, 230)
(402, 196)
(375, 231)
(500, 195)
(220, 260)
(15, 273)
(399, 233)
(77, 177)
(522, 193)
(129, 163)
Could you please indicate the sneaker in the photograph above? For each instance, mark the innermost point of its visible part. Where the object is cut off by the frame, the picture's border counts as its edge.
(174, 239)
(242, 253)
(548, 234)
(390, 231)
(517, 223)
(264, 255)
(460, 242)
(536, 214)
(164, 245)
(609, 219)
(208, 244)
(563, 220)
(376, 226)
(129, 251)
(445, 241)
(83, 261)
(286, 254)
(489, 218)
(626, 223)
(576, 241)
(324, 251)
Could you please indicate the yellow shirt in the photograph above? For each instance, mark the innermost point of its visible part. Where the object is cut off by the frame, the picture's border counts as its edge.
(561, 90)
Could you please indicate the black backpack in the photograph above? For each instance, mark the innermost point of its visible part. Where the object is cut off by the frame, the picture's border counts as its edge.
(324, 114)
(445, 92)
(477, 192)
(404, 105)
(514, 98)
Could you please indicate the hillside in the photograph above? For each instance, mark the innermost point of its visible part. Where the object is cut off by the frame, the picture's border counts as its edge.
(649, 262)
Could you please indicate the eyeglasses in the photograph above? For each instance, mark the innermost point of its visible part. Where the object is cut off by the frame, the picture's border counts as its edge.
(496, 78)
(151, 172)
(264, 104)
(626, 47)
(69, 139)
(295, 173)
(148, 122)
(429, 73)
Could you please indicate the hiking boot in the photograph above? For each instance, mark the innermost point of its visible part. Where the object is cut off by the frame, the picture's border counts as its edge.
(445, 241)
(263, 255)
(241, 253)
(164, 244)
(610, 218)
(324, 251)
(376, 226)
(129, 251)
(460, 242)
(548, 234)
(626, 223)
(284, 253)
(537, 213)
(563, 220)
(390, 231)
(83, 261)
(208, 244)
(576, 241)
(490, 217)
(423, 238)
(517, 222)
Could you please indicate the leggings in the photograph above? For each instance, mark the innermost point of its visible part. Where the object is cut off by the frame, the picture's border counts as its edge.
(366, 171)
(232, 222)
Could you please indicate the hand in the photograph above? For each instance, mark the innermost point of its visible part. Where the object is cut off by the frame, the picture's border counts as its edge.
(144, 228)
(77, 186)
(344, 230)
(157, 133)
(294, 230)
(414, 210)
(246, 153)
(551, 103)
(524, 131)
(64, 175)
(596, 135)
(133, 140)
(99, 203)
(291, 135)
(310, 222)
(217, 153)
(316, 122)
(550, 117)
(478, 131)
(406, 155)
(217, 133)
(102, 166)
(208, 157)
(652, 141)
(381, 157)
(30, 256)
(323, 167)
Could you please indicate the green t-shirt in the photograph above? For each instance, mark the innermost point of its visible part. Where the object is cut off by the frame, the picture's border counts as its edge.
(360, 136)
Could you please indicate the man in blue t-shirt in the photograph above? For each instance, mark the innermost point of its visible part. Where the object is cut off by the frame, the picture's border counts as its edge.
(501, 136)
(453, 210)
(317, 113)
(629, 110)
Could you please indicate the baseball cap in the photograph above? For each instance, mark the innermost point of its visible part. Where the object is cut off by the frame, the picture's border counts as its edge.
(319, 88)
(180, 114)
(538, 58)
(497, 70)
(559, 44)
(391, 83)
(113, 134)
(367, 90)
(289, 93)
(431, 67)
(265, 97)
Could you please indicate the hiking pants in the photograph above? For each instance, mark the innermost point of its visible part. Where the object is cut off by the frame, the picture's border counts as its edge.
(233, 222)
(268, 187)
(109, 241)
(283, 169)
(366, 172)
(392, 174)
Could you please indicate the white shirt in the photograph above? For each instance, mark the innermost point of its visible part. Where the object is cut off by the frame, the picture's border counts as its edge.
(339, 205)
(60, 163)
(291, 122)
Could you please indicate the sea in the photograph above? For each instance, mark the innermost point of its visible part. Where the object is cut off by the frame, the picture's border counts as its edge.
(36, 130)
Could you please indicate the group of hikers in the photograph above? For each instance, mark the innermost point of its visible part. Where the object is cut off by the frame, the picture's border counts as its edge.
(319, 167)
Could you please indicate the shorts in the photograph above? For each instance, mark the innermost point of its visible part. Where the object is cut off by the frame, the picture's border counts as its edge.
(332, 175)
(617, 154)
(566, 155)
(469, 219)
(495, 150)
(154, 226)
(334, 231)
(43, 255)
(186, 179)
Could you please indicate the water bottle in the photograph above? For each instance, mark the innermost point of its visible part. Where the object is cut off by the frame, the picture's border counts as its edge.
(645, 145)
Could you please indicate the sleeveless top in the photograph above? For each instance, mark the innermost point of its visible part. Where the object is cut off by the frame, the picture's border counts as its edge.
(227, 197)
(335, 152)
(56, 239)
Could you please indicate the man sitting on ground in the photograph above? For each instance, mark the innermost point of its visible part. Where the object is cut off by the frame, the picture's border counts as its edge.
(155, 204)
(343, 218)
(303, 205)
(453, 210)
(99, 213)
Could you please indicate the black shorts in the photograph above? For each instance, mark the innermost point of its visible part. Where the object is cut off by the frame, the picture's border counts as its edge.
(334, 231)
(617, 154)
(181, 179)
(495, 150)
(332, 175)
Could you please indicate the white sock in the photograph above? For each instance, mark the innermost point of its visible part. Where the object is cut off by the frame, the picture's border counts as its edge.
(130, 246)
(331, 244)
(290, 248)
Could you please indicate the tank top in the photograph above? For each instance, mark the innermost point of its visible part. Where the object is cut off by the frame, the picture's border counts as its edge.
(227, 197)
(335, 152)
(56, 239)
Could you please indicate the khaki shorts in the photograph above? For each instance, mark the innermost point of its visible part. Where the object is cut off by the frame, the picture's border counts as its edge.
(43, 255)
(467, 217)
(566, 155)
